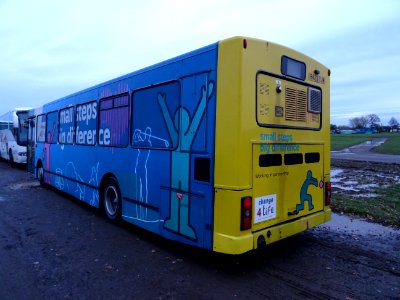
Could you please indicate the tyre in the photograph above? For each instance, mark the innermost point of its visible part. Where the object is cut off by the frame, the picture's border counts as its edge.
(111, 200)
(11, 157)
(40, 173)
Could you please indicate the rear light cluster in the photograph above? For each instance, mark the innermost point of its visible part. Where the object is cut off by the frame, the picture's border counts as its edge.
(246, 213)
(328, 189)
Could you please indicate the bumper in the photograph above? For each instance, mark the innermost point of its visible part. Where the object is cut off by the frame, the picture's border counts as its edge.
(237, 245)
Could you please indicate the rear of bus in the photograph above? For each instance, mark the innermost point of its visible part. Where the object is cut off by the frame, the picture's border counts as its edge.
(272, 145)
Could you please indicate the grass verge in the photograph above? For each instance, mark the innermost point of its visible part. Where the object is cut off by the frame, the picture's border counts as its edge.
(341, 141)
(391, 146)
(385, 208)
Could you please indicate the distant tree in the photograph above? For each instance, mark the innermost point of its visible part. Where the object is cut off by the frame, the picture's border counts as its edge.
(372, 120)
(335, 128)
(358, 122)
(364, 121)
(393, 123)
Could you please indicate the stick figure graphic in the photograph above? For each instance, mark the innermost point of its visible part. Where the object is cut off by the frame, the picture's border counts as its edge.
(178, 220)
(141, 169)
(304, 196)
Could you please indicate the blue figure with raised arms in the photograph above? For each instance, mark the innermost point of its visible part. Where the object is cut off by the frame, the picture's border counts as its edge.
(178, 220)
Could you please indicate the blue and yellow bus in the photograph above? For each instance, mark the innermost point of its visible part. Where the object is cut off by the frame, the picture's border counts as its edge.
(224, 148)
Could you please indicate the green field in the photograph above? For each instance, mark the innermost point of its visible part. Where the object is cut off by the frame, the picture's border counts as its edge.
(391, 146)
(385, 208)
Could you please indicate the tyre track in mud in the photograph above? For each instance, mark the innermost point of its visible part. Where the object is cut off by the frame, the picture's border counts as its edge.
(53, 247)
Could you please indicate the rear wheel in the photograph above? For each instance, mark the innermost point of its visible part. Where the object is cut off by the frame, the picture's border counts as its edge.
(111, 200)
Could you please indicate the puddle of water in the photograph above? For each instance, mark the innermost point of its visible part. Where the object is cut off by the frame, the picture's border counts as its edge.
(351, 182)
(343, 223)
(368, 195)
(389, 176)
(348, 181)
(347, 188)
(25, 185)
(334, 175)
(353, 186)
(370, 143)
(367, 186)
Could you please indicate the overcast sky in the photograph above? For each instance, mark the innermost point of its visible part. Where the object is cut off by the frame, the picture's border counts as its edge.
(50, 48)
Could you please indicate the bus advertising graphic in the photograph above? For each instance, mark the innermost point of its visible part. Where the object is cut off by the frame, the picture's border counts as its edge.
(178, 221)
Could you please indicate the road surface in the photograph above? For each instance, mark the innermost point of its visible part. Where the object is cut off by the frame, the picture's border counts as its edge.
(54, 247)
(362, 152)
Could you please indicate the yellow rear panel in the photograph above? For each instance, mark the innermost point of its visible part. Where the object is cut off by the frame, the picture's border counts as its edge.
(272, 144)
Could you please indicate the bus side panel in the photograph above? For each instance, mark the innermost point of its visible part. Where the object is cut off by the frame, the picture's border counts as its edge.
(64, 171)
(169, 187)
(165, 172)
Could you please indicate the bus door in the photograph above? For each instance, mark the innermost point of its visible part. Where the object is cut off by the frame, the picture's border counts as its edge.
(30, 160)
(191, 190)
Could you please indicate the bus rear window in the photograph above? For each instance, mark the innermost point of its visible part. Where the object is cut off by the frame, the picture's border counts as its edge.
(293, 68)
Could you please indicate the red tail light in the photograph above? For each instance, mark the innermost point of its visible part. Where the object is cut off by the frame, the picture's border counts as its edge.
(246, 213)
(328, 189)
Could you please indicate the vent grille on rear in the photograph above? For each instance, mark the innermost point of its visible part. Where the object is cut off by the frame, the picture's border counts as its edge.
(295, 105)
(314, 101)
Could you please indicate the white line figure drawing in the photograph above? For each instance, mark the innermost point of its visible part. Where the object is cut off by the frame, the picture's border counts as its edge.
(139, 137)
(143, 139)
(59, 181)
(69, 171)
(94, 181)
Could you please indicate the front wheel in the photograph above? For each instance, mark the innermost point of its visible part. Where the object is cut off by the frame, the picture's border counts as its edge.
(11, 157)
(111, 200)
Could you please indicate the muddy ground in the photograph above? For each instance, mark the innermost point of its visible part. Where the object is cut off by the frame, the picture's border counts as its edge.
(360, 179)
(53, 247)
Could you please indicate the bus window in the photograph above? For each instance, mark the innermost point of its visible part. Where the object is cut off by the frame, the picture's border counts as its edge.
(86, 123)
(160, 102)
(114, 121)
(293, 68)
(67, 126)
(41, 128)
(52, 127)
(22, 138)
